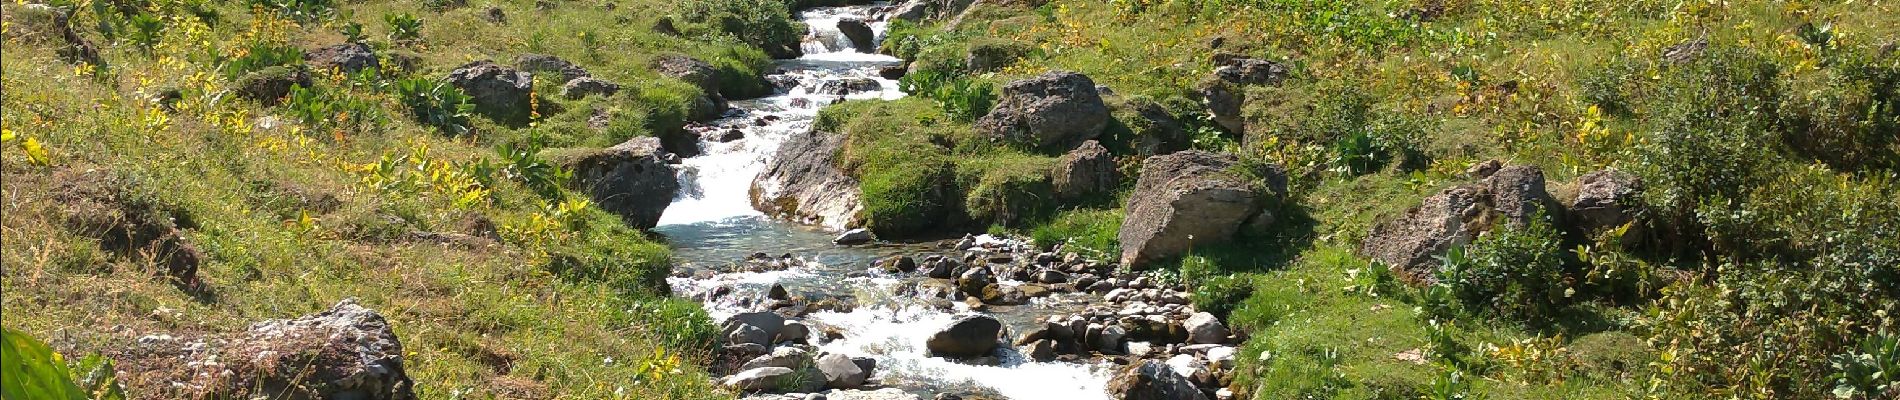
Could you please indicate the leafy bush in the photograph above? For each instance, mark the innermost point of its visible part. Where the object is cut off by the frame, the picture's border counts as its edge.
(437, 104)
(964, 99)
(302, 10)
(262, 55)
(338, 111)
(1220, 295)
(765, 24)
(33, 370)
(1513, 272)
(147, 29)
(403, 27)
(1873, 371)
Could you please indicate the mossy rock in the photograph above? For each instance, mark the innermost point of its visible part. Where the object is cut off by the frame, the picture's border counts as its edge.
(271, 84)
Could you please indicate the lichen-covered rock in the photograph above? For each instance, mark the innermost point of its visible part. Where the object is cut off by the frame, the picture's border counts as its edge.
(1086, 171)
(859, 33)
(803, 183)
(1407, 244)
(588, 86)
(1186, 198)
(560, 68)
(1517, 192)
(1053, 110)
(1224, 92)
(1152, 380)
(268, 86)
(1606, 199)
(710, 105)
(346, 352)
(631, 179)
(499, 92)
(348, 58)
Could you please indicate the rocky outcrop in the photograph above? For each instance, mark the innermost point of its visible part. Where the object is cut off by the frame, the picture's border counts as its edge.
(631, 179)
(588, 86)
(1410, 243)
(1152, 380)
(559, 68)
(105, 206)
(847, 86)
(859, 33)
(1224, 92)
(967, 337)
(1057, 109)
(1086, 171)
(497, 91)
(1156, 131)
(1517, 192)
(1407, 244)
(1605, 199)
(346, 58)
(1186, 198)
(346, 352)
(803, 184)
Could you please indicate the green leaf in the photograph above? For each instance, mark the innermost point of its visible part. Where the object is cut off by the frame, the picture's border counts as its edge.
(31, 370)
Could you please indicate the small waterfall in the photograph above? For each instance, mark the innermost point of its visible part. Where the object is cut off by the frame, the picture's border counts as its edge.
(713, 224)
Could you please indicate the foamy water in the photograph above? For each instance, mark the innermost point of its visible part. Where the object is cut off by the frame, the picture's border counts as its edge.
(713, 223)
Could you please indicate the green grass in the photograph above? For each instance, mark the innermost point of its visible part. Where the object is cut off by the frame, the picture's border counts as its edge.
(569, 303)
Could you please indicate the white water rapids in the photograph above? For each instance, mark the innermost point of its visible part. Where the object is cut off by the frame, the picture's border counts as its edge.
(713, 223)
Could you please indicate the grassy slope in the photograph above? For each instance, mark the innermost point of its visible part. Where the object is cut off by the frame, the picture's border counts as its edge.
(496, 322)
(1326, 323)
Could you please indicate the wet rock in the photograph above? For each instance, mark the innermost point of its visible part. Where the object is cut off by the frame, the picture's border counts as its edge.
(847, 86)
(900, 264)
(1051, 110)
(892, 72)
(1224, 92)
(1517, 192)
(840, 372)
(588, 86)
(497, 91)
(794, 332)
(1152, 380)
(347, 58)
(1087, 170)
(777, 292)
(561, 69)
(1203, 328)
(748, 334)
(723, 136)
(1051, 276)
(1187, 198)
(769, 324)
(914, 10)
(860, 34)
(853, 237)
(941, 268)
(967, 337)
(1408, 243)
(1041, 350)
(1110, 339)
(803, 183)
(631, 179)
(1606, 199)
(268, 86)
(975, 280)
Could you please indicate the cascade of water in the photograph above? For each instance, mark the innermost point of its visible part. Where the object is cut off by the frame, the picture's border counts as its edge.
(713, 223)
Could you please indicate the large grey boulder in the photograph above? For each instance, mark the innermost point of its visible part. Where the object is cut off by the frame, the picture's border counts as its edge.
(1224, 92)
(1518, 194)
(1055, 109)
(768, 322)
(803, 183)
(841, 372)
(1086, 171)
(782, 356)
(860, 34)
(1408, 244)
(1204, 328)
(967, 337)
(347, 58)
(1152, 380)
(1606, 199)
(631, 179)
(1190, 197)
(348, 351)
(497, 91)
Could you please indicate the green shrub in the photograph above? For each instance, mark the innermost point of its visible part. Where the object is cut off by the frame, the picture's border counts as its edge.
(339, 111)
(611, 254)
(765, 24)
(1872, 371)
(1514, 272)
(302, 10)
(403, 27)
(681, 324)
(742, 73)
(1849, 117)
(262, 55)
(1220, 295)
(437, 104)
(33, 370)
(964, 99)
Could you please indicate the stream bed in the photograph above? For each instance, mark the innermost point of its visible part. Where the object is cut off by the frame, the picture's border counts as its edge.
(712, 227)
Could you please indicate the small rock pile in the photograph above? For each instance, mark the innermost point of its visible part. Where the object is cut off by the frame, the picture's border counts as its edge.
(766, 352)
